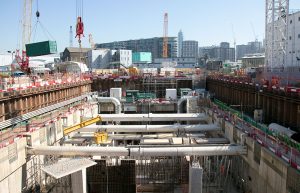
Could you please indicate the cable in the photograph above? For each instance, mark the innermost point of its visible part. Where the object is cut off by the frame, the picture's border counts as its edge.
(45, 30)
(82, 9)
(34, 31)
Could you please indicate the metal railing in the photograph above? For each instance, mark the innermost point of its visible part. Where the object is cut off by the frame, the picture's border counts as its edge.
(281, 145)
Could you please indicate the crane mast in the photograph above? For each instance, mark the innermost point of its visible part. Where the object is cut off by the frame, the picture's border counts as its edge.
(276, 32)
(71, 37)
(165, 38)
(26, 22)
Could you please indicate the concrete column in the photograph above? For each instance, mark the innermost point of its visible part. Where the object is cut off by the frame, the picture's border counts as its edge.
(293, 114)
(41, 100)
(298, 116)
(195, 178)
(79, 181)
(285, 112)
(2, 112)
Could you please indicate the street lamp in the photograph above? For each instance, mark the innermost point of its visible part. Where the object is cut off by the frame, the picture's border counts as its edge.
(12, 60)
(12, 55)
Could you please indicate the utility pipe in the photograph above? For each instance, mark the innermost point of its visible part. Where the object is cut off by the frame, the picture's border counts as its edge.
(155, 117)
(151, 128)
(137, 151)
(180, 101)
(113, 100)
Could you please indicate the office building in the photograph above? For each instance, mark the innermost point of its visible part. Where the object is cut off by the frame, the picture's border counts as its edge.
(153, 45)
(180, 40)
(190, 48)
(219, 53)
(251, 48)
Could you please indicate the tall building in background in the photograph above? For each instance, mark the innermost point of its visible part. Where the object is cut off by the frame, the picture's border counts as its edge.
(153, 45)
(180, 41)
(190, 49)
(222, 52)
(251, 48)
(293, 41)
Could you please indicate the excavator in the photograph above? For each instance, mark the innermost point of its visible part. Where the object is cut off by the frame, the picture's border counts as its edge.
(99, 136)
(128, 71)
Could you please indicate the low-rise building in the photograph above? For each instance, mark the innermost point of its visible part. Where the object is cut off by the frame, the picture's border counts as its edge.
(99, 58)
(74, 54)
(121, 58)
(170, 63)
(253, 61)
(141, 57)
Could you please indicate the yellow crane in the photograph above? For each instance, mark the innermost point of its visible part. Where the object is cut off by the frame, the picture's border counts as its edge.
(99, 136)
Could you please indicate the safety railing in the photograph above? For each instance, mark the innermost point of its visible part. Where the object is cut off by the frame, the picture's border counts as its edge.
(281, 145)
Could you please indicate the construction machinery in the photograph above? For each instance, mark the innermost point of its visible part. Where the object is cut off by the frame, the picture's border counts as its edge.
(128, 71)
(99, 136)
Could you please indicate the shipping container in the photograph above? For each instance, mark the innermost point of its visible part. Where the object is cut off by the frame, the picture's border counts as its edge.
(41, 48)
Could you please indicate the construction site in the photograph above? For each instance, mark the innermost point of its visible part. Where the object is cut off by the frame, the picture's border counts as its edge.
(144, 130)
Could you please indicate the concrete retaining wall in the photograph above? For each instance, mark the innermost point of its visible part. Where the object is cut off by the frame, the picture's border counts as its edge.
(18, 171)
(265, 172)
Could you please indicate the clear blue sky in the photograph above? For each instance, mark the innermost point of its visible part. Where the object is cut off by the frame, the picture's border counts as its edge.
(207, 21)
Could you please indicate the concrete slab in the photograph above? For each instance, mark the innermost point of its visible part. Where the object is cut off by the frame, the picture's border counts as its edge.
(65, 167)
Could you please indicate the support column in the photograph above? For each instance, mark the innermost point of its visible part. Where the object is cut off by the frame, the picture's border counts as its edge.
(280, 111)
(293, 114)
(195, 178)
(2, 112)
(79, 181)
(285, 112)
(298, 116)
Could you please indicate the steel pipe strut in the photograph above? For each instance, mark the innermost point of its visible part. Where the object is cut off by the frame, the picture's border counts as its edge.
(151, 128)
(137, 151)
(155, 117)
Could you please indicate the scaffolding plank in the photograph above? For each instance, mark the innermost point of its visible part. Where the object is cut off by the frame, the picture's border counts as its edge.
(65, 167)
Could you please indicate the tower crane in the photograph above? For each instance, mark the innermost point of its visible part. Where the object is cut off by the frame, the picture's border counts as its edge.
(165, 37)
(234, 42)
(71, 37)
(21, 57)
(254, 34)
(26, 22)
(91, 41)
(276, 33)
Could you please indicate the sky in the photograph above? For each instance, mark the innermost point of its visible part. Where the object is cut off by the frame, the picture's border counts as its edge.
(207, 21)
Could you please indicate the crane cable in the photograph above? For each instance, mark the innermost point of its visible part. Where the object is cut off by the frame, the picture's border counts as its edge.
(38, 22)
(79, 8)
